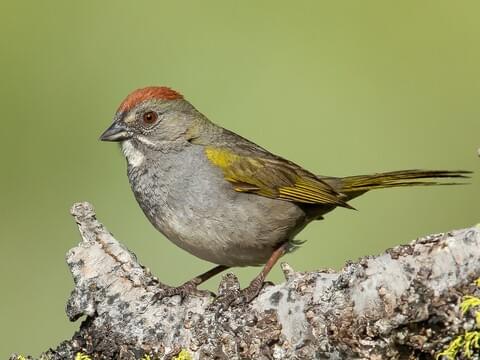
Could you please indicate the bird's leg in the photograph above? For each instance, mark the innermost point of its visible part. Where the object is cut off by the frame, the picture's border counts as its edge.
(251, 291)
(200, 279)
(190, 287)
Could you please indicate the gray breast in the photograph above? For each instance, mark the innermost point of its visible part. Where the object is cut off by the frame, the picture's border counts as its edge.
(188, 200)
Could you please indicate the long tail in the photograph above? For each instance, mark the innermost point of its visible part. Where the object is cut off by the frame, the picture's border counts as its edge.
(354, 186)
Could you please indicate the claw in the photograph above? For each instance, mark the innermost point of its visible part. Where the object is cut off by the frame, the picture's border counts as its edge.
(185, 290)
(230, 294)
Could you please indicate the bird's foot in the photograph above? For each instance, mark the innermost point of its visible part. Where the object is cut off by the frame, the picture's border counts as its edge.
(190, 288)
(230, 294)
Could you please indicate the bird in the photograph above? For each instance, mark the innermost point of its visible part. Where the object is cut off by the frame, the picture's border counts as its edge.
(220, 196)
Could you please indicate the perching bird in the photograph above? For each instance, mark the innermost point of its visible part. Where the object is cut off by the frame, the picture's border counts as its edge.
(218, 195)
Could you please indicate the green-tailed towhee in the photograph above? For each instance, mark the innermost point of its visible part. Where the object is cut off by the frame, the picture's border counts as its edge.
(218, 195)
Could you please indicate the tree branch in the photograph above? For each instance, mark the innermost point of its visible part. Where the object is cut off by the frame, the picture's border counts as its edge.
(401, 304)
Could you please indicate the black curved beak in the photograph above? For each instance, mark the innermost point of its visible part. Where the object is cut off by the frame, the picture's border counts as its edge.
(116, 132)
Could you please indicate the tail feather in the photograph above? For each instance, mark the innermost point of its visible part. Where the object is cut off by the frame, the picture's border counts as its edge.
(362, 183)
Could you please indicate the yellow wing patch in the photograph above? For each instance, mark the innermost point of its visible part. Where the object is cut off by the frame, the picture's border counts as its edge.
(219, 157)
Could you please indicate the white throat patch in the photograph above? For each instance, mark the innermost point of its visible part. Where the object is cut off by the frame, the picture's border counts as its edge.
(134, 157)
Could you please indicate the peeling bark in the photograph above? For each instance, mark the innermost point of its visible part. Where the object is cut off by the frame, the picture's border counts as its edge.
(402, 304)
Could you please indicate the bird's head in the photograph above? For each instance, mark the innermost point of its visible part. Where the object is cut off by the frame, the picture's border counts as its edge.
(152, 117)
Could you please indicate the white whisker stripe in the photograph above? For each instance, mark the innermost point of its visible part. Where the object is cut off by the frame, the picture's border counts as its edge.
(134, 156)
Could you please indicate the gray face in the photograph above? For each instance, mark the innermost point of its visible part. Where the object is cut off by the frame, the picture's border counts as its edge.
(152, 122)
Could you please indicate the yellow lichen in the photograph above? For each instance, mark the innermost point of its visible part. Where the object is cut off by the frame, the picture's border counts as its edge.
(82, 356)
(453, 348)
(146, 357)
(471, 342)
(183, 355)
(469, 302)
(467, 343)
(21, 357)
(477, 319)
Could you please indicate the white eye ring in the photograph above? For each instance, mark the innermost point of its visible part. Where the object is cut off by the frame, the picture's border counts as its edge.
(150, 117)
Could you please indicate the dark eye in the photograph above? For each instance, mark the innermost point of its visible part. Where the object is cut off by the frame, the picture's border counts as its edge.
(150, 117)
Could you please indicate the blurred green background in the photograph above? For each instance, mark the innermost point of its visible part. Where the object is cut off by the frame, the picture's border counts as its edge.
(340, 87)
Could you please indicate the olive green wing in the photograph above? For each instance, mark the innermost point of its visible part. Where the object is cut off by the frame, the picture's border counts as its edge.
(273, 177)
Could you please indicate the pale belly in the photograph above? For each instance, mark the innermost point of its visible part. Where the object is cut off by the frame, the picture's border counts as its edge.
(239, 233)
(195, 208)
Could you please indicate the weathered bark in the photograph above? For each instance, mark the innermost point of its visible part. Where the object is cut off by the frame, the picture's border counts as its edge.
(401, 304)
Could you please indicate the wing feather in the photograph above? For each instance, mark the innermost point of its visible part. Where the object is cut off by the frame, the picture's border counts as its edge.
(273, 177)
